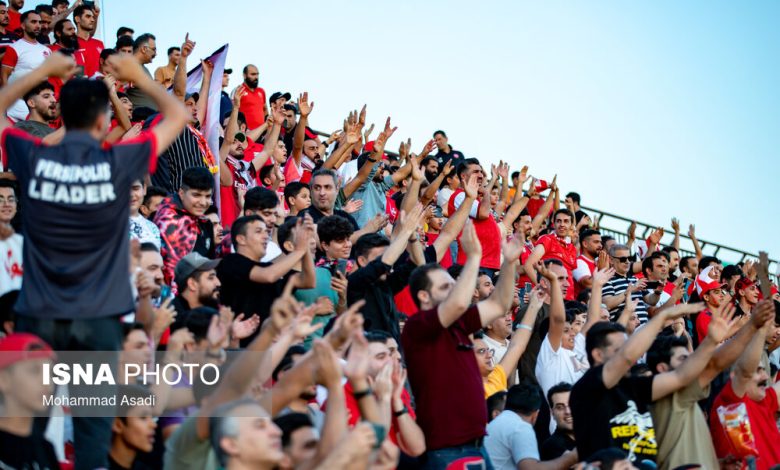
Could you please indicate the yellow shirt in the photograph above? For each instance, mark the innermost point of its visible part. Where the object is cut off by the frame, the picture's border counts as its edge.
(496, 381)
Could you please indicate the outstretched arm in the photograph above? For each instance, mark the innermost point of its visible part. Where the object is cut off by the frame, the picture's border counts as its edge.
(500, 300)
(460, 298)
(457, 221)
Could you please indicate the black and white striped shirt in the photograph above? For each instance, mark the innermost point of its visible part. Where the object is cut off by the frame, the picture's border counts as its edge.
(183, 153)
(617, 286)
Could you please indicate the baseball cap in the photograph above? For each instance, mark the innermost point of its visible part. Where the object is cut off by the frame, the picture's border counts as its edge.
(743, 283)
(191, 263)
(228, 71)
(704, 283)
(18, 347)
(278, 94)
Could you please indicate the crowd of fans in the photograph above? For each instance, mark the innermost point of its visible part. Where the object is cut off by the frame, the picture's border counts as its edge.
(366, 309)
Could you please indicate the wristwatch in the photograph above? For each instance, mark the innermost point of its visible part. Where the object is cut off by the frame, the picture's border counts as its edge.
(361, 394)
(398, 414)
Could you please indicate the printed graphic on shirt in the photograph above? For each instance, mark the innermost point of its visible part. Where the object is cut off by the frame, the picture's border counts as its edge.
(72, 184)
(634, 432)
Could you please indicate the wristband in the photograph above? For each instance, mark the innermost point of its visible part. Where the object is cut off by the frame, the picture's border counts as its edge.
(398, 414)
(362, 394)
(524, 327)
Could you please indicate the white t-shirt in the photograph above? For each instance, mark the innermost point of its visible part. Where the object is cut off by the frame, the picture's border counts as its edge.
(443, 198)
(272, 251)
(144, 230)
(348, 172)
(11, 273)
(29, 56)
(499, 349)
(554, 367)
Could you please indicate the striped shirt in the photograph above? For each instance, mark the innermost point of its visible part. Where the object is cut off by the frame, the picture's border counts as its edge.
(183, 153)
(617, 286)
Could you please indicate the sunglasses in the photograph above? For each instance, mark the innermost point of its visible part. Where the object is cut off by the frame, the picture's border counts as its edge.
(623, 259)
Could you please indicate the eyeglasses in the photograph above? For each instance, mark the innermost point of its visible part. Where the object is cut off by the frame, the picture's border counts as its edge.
(623, 259)
(9, 200)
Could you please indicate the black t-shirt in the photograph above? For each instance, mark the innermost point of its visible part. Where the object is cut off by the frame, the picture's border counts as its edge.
(316, 215)
(240, 293)
(27, 453)
(556, 445)
(76, 199)
(137, 465)
(444, 157)
(616, 417)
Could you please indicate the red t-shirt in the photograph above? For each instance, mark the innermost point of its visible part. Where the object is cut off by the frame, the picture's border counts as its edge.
(533, 206)
(252, 105)
(703, 324)
(528, 248)
(762, 425)
(14, 21)
(487, 231)
(89, 55)
(403, 300)
(353, 411)
(555, 248)
(445, 378)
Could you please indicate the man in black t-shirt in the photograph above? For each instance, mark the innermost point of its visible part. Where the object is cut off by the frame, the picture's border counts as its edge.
(611, 409)
(20, 446)
(76, 284)
(250, 286)
(563, 437)
(446, 152)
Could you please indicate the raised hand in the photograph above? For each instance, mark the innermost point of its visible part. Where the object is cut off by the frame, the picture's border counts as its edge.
(145, 284)
(133, 132)
(763, 313)
(404, 149)
(353, 205)
(721, 322)
(383, 383)
(219, 328)
(412, 220)
(357, 358)
(60, 65)
(362, 118)
(301, 327)
(238, 96)
(208, 67)
(164, 315)
(368, 132)
(692, 231)
(339, 283)
(323, 306)
(303, 104)
(429, 146)
(284, 309)
(348, 323)
(632, 231)
(328, 369)
(602, 261)
(503, 170)
(655, 237)
(470, 242)
(399, 380)
(602, 276)
(241, 328)
(187, 46)
(512, 249)
(377, 223)
(178, 340)
(545, 271)
(417, 173)
(448, 168)
(536, 297)
(352, 132)
(676, 225)
(472, 187)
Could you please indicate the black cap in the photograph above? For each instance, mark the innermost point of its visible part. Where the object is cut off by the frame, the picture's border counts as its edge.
(228, 71)
(278, 94)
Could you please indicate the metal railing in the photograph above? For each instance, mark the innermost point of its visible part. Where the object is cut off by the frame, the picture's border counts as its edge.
(609, 222)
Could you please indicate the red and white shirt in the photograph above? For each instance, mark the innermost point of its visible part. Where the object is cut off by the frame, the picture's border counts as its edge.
(585, 268)
(23, 57)
(487, 231)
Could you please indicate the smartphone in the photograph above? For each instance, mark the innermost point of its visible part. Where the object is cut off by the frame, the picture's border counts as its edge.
(528, 287)
(89, 3)
(342, 267)
(685, 296)
(653, 285)
(165, 292)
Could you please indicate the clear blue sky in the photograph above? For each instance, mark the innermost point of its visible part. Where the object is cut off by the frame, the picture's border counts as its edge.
(648, 109)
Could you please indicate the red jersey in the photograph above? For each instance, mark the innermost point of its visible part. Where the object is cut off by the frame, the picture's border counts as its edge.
(487, 231)
(584, 269)
(763, 426)
(253, 105)
(88, 55)
(14, 21)
(563, 251)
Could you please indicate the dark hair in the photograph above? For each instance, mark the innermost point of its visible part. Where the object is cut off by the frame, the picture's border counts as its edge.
(495, 402)
(607, 457)
(198, 321)
(82, 102)
(172, 49)
(240, 225)
(107, 52)
(56, 3)
(334, 228)
(428, 159)
(44, 85)
(597, 337)
(79, 11)
(128, 328)
(464, 166)
(197, 177)
(266, 172)
(284, 232)
(706, 261)
(455, 270)
(565, 212)
(440, 132)
(515, 174)
(669, 249)
(661, 350)
(684, 262)
(287, 361)
(478, 334)
(647, 263)
(123, 30)
(324, 171)
(124, 41)
(588, 232)
(152, 191)
(43, 8)
(368, 242)
(547, 263)
(377, 336)
(606, 238)
(574, 197)
(149, 247)
(59, 26)
(560, 388)
(290, 423)
(729, 272)
(293, 189)
(524, 398)
(420, 281)
(142, 40)
(259, 199)
(26, 15)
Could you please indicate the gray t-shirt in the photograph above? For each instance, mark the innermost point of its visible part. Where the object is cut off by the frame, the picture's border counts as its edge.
(185, 451)
(34, 128)
(510, 439)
